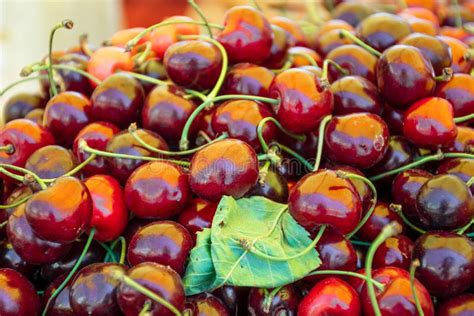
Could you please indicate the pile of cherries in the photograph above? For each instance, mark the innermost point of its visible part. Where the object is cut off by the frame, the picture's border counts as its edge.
(362, 124)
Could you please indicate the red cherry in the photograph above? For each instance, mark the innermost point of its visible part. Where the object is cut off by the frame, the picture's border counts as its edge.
(395, 252)
(248, 79)
(330, 40)
(381, 217)
(206, 304)
(50, 162)
(20, 104)
(356, 60)
(352, 12)
(279, 50)
(197, 216)
(19, 297)
(299, 56)
(10, 259)
(464, 141)
(296, 36)
(459, 91)
(461, 167)
(105, 61)
(284, 302)
(60, 305)
(121, 37)
(459, 50)
(394, 119)
(457, 306)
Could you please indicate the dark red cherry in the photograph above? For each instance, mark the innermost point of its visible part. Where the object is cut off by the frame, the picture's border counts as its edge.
(240, 118)
(164, 242)
(62, 212)
(157, 278)
(66, 114)
(404, 75)
(166, 111)
(248, 79)
(322, 197)
(284, 302)
(365, 193)
(273, 186)
(28, 245)
(197, 216)
(459, 51)
(445, 202)
(117, 100)
(353, 94)
(346, 142)
(430, 123)
(457, 306)
(397, 297)
(395, 252)
(464, 141)
(17, 295)
(352, 12)
(331, 296)
(157, 190)
(226, 167)
(381, 217)
(235, 298)
(26, 137)
(279, 50)
(303, 100)
(125, 143)
(394, 119)
(109, 213)
(459, 91)
(133, 226)
(296, 36)
(306, 147)
(36, 116)
(447, 262)
(194, 64)
(96, 135)
(247, 35)
(95, 253)
(10, 259)
(356, 60)
(17, 194)
(60, 305)
(72, 80)
(51, 162)
(433, 48)
(207, 305)
(94, 290)
(461, 167)
(329, 40)
(19, 105)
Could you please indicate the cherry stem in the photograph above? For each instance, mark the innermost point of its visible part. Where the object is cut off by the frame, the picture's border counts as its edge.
(196, 94)
(84, 45)
(267, 301)
(3, 224)
(470, 182)
(457, 14)
(184, 143)
(293, 153)
(435, 157)
(263, 172)
(140, 58)
(17, 203)
(85, 148)
(470, 235)
(11, 175)
(204, 135)
(145, 309)
(324, 76)
(322, 131)
(72, 272)
(30, 69)
(132, 129)
(388, 231)
(347, 273)
(41, 77)
(465, 118)
(112, 247)
(134, 41)
(75, 170)
(358, 41)
(264, 121)
(143, 290)
(415, 264)
(9, 149)
(109, 251)
(25, 171)
(287, 65)
(361, 243)
(463, 229)
(447, 75)
(397, 208)
(68, 24)
(123, 250)
(198, 10)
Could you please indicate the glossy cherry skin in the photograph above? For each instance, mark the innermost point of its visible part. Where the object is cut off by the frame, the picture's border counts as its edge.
(356, 60)
(381, 216)
(365, 193)
(248, 79)
(17, 193)
(464, 141)
(117, 100)
(60, 305)
(303, 100)
(447, 262)
(459, 50)
(66, 114)
(109, 213)
(459, 91)
(125, 143)
(273, 186)
(96, 135)
(157, 189)
(296, 36)
(394, 119)
(285, 301)
(433, 48)
(397, 296)
(279, 50)
(330, 40)
(429, 123)
(194, 64)
(226, 167)
(457, 306)
(207, 305)
(422, 26)
(54, 219)
(336, 252)
(26, 137)
(346, 142)
(36, 116)
(51, 162)
(445, 202)
(159, 279)
(105, 61)
(72, 80)
(404, 75)
(17, 295)
(94, 290)
(461, 167)
(166, 111)
(353, 94)
(331, 296)
(322, 197)
(299, 60)
(152, 68)
(164, 242)
(197, 215)
(395, 252)
(10, 259)
(240, 118)
(28, 245)
(20, 104)
(235, 298)
(352, 12)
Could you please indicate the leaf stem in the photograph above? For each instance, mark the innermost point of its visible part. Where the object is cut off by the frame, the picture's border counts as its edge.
(322, 131)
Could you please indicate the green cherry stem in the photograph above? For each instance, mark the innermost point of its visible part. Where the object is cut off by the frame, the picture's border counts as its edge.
(415, 264)
(67, 24)
(123, 250)
(379, 285)
(3, 224)
(360, 243)
(287, 65)
(267, 301)
(326, 63)
(71, 273)
(263, 172)
(26, 171)
(322, 131)
(447, 75)
(358, 41)
(11, 175)
(465, 118)
(9, 149)
(470, 182)
(198, 10)
(463, 229)
(16, 83)
(146, 309)
(293, 153)
(143, 55)
(17, 203)
(26, 71)
(388, 231)
(470, 235)
(264, 121)
(109, 251)
(397, 208)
